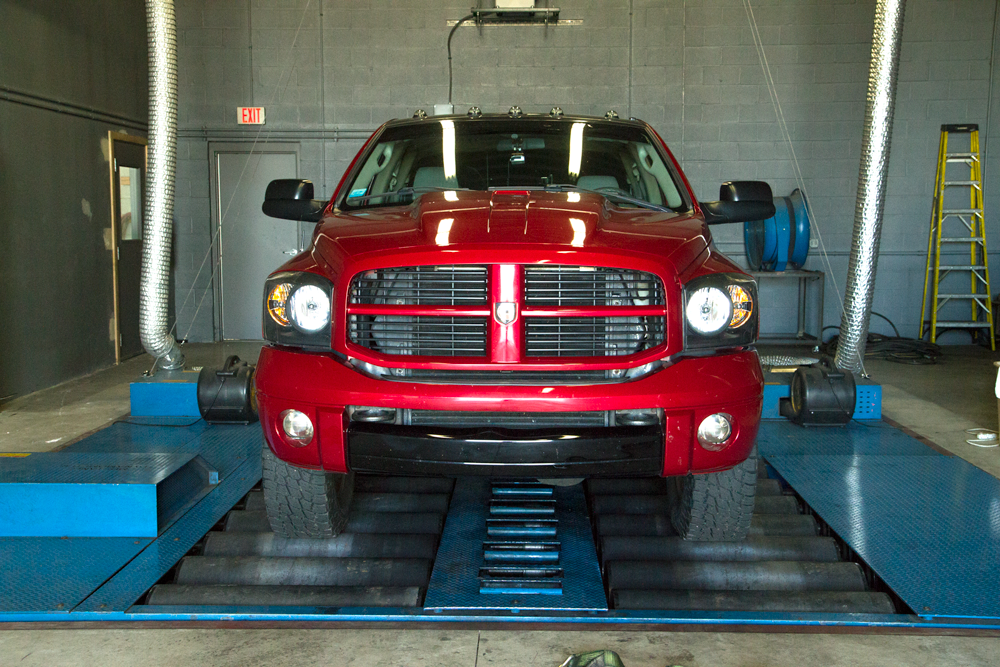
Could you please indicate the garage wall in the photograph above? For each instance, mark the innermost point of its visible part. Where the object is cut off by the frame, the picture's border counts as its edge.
(329, 71)
(70, 71)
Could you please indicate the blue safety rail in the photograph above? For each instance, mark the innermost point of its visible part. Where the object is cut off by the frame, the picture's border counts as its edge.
(926, 523)
(515, 545)
(64, 575)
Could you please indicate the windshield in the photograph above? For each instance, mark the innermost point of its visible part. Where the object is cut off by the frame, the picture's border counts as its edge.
(621, 161)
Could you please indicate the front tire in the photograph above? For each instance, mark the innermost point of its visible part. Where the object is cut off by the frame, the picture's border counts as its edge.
(717, 506)
(305, 503)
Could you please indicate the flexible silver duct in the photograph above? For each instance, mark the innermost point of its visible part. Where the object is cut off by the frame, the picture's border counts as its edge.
(871, 184)
(774, 360)
(161, 29)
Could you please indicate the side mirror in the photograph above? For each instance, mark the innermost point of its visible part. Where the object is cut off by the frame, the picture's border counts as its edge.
(292, 199)
(740, 201)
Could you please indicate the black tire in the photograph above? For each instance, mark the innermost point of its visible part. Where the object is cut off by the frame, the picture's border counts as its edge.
(305, 503)
(717, 506)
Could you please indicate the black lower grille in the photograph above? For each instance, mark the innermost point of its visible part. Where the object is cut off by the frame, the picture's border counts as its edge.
(509, 419)
(592, 336)
(424, 336)
(526, 378)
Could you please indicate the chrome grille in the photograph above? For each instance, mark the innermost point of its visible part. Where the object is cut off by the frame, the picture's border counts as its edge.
(591, 336)
(406, 300)
(590, 286)
(422, 336)
(421, 286)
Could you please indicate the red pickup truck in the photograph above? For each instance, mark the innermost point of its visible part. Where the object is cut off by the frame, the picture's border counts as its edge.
(513, 295)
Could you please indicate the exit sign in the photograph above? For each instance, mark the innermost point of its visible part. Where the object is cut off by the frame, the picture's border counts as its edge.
(250, 115)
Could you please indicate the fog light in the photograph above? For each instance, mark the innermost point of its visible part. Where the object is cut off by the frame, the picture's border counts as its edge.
(714, 431)
(298, 427)
(374, 415)
(636, 417)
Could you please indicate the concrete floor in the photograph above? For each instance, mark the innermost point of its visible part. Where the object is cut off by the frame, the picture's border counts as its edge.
(472, 648)
(938, 402)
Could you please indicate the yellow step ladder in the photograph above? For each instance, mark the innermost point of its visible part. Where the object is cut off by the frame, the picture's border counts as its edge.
(953, 223)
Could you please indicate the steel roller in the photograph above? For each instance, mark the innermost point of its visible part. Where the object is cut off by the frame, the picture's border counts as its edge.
(816, 549)
(263, 571)
(650, 504)
(285, 596)
(709, 576)
(345, 545)
(358, 522)
(379, 502)
(660, 525)
(832, 602)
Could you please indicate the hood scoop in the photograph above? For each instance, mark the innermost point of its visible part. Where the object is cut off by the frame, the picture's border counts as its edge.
(508, 212)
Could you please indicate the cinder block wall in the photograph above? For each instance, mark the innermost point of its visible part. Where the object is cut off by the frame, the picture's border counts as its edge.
(70, 72)
(330, 71)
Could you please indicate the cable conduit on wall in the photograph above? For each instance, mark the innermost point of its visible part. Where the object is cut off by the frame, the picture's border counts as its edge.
(69, 109)
(333, 134)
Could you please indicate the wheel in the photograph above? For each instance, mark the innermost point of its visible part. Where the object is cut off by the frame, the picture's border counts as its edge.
(305, 503)
(717, 506)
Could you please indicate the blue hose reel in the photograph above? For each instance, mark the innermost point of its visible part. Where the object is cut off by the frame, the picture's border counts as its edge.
(781, 242)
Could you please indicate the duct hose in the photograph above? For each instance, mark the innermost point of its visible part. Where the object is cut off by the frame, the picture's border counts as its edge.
(872, 178)
(161, 29)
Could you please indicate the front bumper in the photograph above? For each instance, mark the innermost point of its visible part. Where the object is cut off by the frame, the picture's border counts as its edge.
(323, 386)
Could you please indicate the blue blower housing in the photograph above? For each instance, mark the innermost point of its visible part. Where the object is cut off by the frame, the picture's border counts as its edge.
(781, 242)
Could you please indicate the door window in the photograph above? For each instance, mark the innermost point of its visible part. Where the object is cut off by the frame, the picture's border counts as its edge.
(130, 203)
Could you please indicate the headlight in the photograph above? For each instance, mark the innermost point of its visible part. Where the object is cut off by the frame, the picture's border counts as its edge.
(297, 310)
(709, 310)
(309, 308)
(720, 312)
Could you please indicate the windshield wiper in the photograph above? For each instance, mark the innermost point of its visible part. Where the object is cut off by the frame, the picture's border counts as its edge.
(402, 192)
(611, 193)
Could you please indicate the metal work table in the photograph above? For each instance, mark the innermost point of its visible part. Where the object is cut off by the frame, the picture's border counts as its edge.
(805, 279)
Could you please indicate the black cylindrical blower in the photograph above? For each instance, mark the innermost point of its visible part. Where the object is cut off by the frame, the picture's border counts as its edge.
(226, 395)
(820, 395)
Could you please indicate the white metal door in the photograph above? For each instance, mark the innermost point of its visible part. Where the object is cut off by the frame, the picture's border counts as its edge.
(252, 245)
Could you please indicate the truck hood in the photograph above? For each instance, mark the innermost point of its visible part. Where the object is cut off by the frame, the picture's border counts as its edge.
(584, 224)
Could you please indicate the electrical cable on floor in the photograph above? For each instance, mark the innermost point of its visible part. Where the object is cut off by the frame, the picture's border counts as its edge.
(984, 438)
(898, 349)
